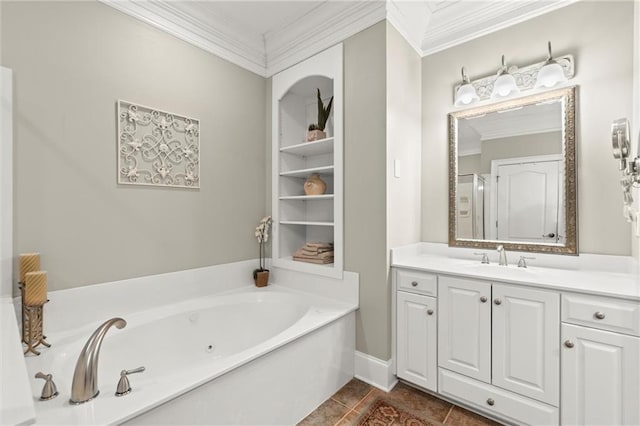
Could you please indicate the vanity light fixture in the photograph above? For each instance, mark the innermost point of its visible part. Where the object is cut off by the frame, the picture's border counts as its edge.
(512, 80)
(466, 93)
(505, 85)
(550, 74)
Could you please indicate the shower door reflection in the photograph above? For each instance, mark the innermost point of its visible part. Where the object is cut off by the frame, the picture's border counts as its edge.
(471, 206)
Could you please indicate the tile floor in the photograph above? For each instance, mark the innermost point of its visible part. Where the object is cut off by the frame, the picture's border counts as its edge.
(346, 406)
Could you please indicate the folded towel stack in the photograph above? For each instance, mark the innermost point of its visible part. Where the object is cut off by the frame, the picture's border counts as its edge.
(320, 253)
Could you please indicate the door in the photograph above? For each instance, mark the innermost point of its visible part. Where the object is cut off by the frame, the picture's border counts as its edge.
(528, 196)
(464, 332)
(600, 377)
(526, 336)
(416, 350)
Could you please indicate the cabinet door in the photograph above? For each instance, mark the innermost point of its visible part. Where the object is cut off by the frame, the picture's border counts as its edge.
(526, 339)
(464, 333)
(600, 377)
(416, 350)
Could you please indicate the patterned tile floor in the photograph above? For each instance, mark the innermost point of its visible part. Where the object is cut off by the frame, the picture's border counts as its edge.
(346, 406)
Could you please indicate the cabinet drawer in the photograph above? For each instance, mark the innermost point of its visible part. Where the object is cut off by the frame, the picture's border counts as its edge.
(602, 312)
(417, 282)
(507, 405)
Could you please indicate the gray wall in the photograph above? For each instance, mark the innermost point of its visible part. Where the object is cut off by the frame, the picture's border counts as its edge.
(71, 62)
(519, 146)
(600, 35)
(365, 204)
(404, 140)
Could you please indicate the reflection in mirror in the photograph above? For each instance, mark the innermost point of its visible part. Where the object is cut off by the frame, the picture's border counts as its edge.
(512, 174)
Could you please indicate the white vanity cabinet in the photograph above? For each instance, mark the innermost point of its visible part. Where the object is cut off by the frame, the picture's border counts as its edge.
(537, 346)
(416, 316)
(501, 334)
(600, 361)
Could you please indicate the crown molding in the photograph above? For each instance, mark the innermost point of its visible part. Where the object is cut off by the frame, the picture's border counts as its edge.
(473, 22)
(411, 19)
(428, 27)
(228, 44)
(327, 25)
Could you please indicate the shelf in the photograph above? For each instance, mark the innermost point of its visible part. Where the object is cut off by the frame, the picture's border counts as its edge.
(304, 173)
(307, 149)
(308, 197)
(305, 223)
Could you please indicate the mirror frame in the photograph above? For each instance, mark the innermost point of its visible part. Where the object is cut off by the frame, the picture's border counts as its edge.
(568, 98)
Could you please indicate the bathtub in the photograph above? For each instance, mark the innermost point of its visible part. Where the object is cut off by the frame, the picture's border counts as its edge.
(245, 356)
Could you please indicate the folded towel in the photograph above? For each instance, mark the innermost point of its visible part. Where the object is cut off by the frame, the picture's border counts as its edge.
(302, 254)
(317, 251)
(312, 246)
(316, 261)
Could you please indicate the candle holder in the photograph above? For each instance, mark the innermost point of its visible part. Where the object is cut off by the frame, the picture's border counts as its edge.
(32, 325)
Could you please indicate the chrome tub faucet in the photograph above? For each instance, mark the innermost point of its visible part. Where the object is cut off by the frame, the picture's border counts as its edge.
(503, 256)
(85, 377)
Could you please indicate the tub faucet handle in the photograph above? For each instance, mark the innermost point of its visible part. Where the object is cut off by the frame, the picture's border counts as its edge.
(123, 384)
(49, 391)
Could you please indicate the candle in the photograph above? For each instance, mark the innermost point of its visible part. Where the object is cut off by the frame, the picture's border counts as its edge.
(29, 262)
(35, 289)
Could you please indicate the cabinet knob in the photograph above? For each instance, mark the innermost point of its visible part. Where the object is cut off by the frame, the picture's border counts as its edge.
(429, 311)
(483, 299)
(414, 283)
(599, 315)
(497, 301)
(568, 343)
(490, 401)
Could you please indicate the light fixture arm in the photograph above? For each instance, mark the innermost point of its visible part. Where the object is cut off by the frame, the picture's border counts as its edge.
(630, 167)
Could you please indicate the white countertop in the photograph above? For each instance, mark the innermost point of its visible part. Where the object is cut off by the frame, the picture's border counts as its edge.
(603, 275)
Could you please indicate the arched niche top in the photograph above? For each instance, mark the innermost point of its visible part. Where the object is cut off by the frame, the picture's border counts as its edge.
(306, 87)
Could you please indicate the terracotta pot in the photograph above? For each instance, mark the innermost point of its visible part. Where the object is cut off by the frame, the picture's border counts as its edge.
(315, 185)
(261, 278)
(314, 135)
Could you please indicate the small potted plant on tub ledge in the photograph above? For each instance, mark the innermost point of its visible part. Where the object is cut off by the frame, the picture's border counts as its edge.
(261, 275)
(316, 131)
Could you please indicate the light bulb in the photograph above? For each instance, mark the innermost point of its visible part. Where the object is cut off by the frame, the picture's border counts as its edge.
(466, 93)
(550, 74)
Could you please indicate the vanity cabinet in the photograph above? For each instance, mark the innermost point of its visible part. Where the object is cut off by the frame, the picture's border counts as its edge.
(501, 334)
(416, 347)
(600, 361)
(526, 352)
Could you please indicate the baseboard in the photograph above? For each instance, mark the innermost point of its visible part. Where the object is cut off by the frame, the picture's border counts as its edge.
(375, 371)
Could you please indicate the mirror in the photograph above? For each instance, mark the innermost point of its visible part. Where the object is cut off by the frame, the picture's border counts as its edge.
(512, 174)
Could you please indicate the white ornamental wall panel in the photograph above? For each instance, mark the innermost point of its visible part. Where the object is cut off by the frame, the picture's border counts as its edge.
(157, 147)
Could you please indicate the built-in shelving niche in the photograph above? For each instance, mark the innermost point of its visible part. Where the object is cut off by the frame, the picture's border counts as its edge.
(300, 218)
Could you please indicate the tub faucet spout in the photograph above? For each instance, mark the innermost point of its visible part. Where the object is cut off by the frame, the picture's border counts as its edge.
(85, 377)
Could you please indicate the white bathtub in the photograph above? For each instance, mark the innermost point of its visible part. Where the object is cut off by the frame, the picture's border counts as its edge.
(256, 356)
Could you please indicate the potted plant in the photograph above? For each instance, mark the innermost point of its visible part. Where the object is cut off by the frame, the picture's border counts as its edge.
(316, 131)
(261, 275)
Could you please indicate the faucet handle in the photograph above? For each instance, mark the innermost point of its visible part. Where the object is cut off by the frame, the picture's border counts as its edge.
(485, 257)
(522, 263)
(49, 391)
(123, 384)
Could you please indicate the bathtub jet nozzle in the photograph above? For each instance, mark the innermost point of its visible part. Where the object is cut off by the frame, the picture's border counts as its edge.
(85, 378)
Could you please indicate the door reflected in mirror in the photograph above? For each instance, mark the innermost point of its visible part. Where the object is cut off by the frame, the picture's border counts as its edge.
(512, 174)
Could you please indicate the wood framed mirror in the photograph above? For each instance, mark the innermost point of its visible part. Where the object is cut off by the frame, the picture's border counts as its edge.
(512, 174)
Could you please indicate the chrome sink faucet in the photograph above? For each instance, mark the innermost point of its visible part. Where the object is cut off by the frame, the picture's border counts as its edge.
(85, 377)
(503, 256)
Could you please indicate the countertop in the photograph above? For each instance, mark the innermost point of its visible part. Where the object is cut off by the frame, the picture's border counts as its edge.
(602, 275)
